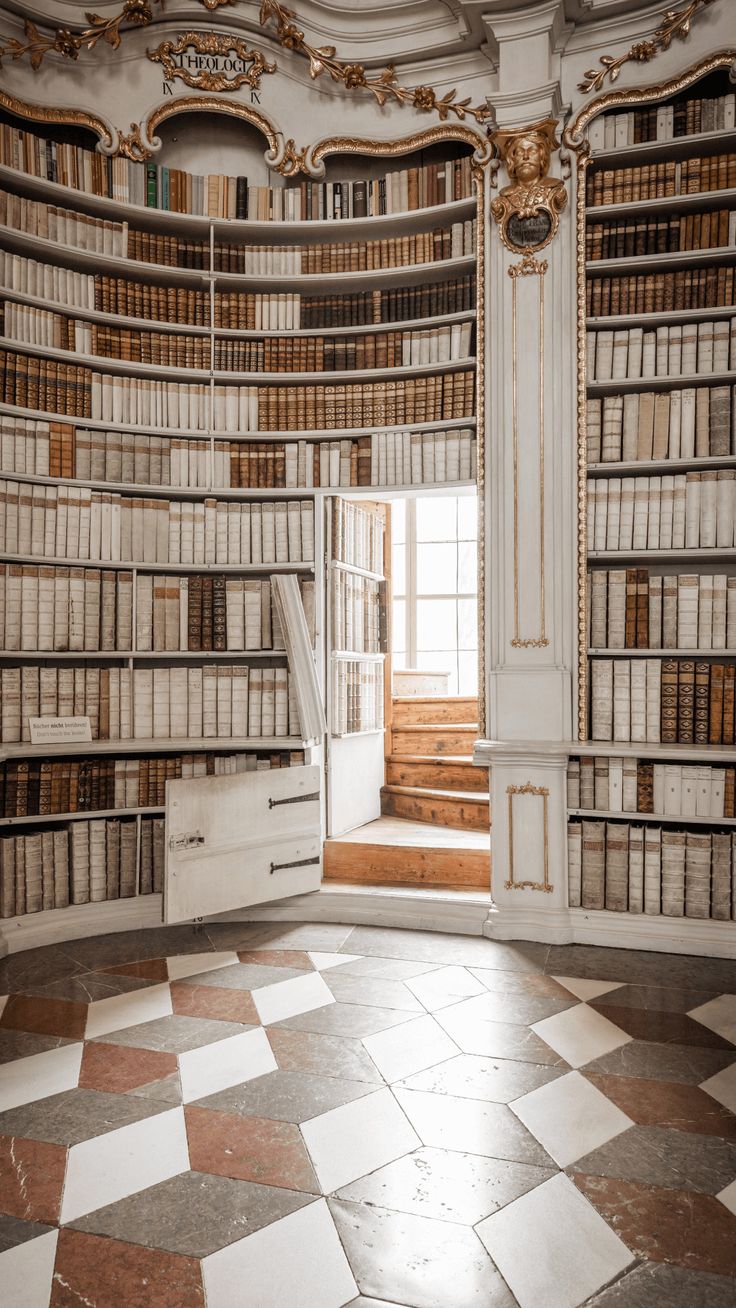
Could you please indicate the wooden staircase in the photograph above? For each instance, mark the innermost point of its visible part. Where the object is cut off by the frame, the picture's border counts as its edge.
(435, 825)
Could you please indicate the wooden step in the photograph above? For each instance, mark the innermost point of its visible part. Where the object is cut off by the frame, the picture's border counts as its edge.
(391, 851)
(444, 738)
(449, 772)
(425, 708)
(446, 808)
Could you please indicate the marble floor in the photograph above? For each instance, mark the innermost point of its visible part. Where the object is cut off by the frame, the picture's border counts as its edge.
(311, 1116)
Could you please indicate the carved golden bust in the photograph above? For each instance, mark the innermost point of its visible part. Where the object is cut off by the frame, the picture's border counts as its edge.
(528, 209)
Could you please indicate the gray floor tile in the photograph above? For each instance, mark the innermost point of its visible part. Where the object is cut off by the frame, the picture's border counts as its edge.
(661, 999)
(174, 1034)
(393, 969)
(87, 987)
(14, 1231)
(471, 1126)
(324, 1055)
(659, 1155)
(439, 947)
(36, 967)
(638, 968)
(23, 1044)
(686, 1063)
(497, 1039)
(132, 946)
(379, 992)
(245, 976)
(286, 1096)
(662, 1285)
(75, 1115)
(355, 1020)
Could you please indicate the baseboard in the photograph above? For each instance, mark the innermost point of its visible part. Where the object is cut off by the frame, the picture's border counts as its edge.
(414, 908)
(55, 925)
(668, 935)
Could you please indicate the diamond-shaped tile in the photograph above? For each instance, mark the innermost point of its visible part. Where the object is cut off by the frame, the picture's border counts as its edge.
(718, 1015)
(26, 1271)
(727, 1196)
(569, 1117)
(39, 1076)
(287, 1096)
(470, 1126)
(658, 1155)
(586, 988)
(111, 1166)
(184, 965)
(409, 1048)
(350, 1141)
(123, 1011)
(300, 994)
(498, 1080)
(117, 1069)
(214, 1067)
(93, 1269)
(580, 1034)
(249, 1149)
(444, 986)
(31, 1178)
(722, 1087)
(324, 962)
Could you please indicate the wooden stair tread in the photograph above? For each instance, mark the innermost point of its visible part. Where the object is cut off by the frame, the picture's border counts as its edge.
(431, 792)
(400, 832)
(453, 760)
(470, 727)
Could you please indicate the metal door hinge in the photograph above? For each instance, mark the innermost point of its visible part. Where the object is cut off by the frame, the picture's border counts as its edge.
(189, 840)
(293, 799)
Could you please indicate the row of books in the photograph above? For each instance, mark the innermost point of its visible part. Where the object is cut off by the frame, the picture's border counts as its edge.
(358, 614)
(357, 696)
(71, 522)
(81, 863)
(663, 122)
(633, 608)
(654, 181)
(678, 350)
(672, 701)
(661, 292)
(358, 535)
(394, 349)
(694, 510)
(60, 226)
(631, 785)
(623, 867)
(660, 235)
(36, 447)
(158, 703)
(85, 609)
(217, 196)
(698, 422)
(33, 788)
(171, 251)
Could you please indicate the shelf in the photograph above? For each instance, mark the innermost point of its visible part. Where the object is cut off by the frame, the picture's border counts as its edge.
(108, 319)
(633, 467)
(673, 382)
(138, 655)
(640, 263)
(105, 565)
(146, 745)
(131, 488)
(663, 204)
(641, 749)
(679, 818)
(38, 819)
(663, 653)
(659, 319)
(350, 735)
(111, 265)
(357, 572)
(351, 657)
(714, 555)
(679, 147)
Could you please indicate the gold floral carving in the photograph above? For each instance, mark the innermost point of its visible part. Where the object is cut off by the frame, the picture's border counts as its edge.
(293, 161)
(63, 41)
(543, 793)
(528, 209)
(382, 86)
(213, 44)
(675, 23)
(131, 144)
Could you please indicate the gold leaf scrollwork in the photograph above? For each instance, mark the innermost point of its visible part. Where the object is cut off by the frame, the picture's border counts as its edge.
(213, 44)
(382, 86)
(675, 23)
(131, 145)
(293, 161)
(63, 41)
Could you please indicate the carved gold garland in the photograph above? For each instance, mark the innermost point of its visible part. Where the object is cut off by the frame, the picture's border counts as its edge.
(64, 41)
(675, 23)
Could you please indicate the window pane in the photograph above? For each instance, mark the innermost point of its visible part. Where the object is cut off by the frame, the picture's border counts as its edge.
(468, 674)
(441, 661)
(398, 521)
(467, 573)
(467, 517)
(398, 625)
(435, 624)
(437, 518)
(437, 569)
(398, 569)
(467, 624)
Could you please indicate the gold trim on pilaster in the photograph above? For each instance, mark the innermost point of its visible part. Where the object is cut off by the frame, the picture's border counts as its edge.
(543, 793)
(480, 433)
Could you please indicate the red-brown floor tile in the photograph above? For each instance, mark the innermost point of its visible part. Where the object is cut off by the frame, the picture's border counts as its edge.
(31, 1178)
(117, 1068)
(249, 1149)
(277, 958)
(94, 1270)
(666, 1226)
(667, 1103)
(57, 1017)
(150, 969)
(662, 1028)
(210, 1001)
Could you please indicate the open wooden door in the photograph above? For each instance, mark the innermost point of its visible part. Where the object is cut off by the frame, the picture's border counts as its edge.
(243, 839)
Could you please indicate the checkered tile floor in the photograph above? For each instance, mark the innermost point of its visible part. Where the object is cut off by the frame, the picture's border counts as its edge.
(261, 1116)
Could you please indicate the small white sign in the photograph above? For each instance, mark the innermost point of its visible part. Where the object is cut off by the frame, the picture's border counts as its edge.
(54, 731)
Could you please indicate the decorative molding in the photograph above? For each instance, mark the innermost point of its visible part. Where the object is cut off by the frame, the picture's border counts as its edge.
(294, 160)
(382, 86)
(63, 41)
(543, 793)
(528, 209)
(675, 23)
(528, 266)
(480, 411)
(107, 134)
(212, 46)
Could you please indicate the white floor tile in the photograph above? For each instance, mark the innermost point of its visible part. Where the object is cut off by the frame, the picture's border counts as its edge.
(574, 1252)
(585, 989)
(193, 964)
(323, 961)
(445, 986)
(123, 1162)
(289, 998)
(107, 1015)
(27, 1270)
(722, 1087)
(409, 1048)
(215, 1067)
(580, 1034)
(296, 1261)
(718, 1015)
(39, 1076)
(728, 1197)
(570, 1117)
(357, 1138)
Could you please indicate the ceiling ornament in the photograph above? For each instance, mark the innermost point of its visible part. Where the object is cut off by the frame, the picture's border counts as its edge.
(675, 23)
(63, 41)
(382, 86)
(228, 62)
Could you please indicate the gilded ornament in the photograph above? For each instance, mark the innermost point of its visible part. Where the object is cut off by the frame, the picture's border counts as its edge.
(528, 209)
(67, 43)
(131, 145)
(675, 23)
(293, 160)
(543, 793)
(242, 66)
